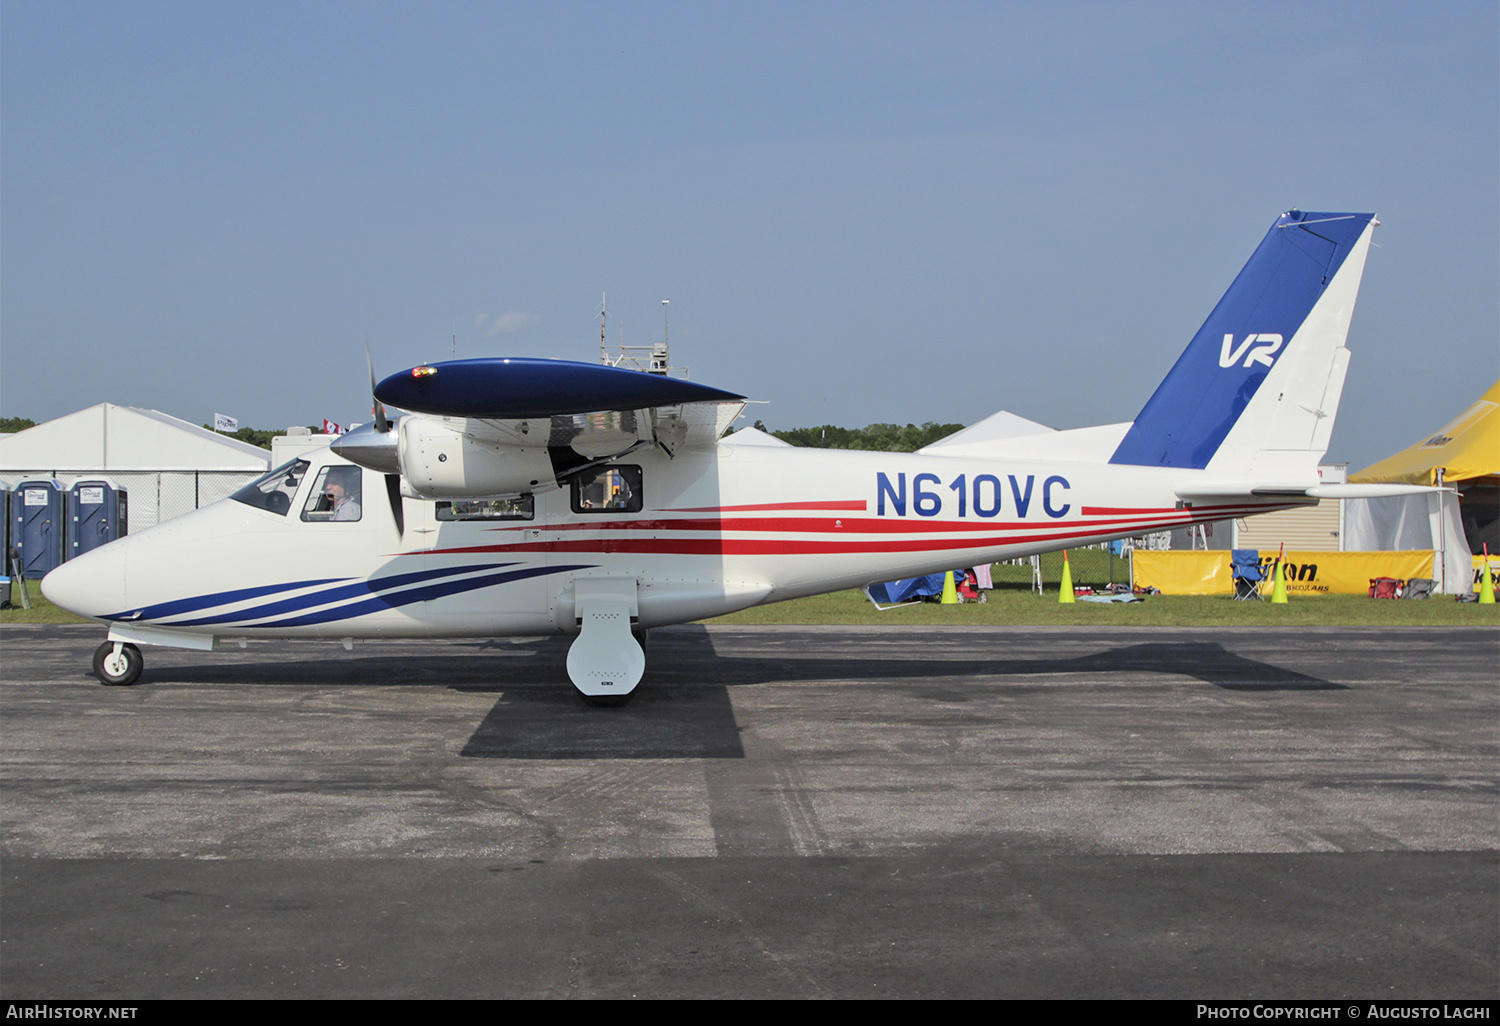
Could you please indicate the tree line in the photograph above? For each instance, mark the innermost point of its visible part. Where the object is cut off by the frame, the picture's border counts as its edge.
(873, 437)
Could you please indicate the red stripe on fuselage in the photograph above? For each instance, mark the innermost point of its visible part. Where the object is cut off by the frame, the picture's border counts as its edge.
(743, 546)
(719, 546)
(1129, 511)
(1162, 511)
(834, 504)
(847, 525)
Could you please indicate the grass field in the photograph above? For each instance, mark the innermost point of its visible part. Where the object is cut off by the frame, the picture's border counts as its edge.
(1007, 606)
(1021, 608)
(41, 610)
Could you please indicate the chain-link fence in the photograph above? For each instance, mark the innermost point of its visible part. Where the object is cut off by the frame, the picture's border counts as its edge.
(185, 492)
(155, 496)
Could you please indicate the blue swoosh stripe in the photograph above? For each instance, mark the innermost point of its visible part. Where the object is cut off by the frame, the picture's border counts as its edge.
(439, 590)
(219, 598)
(327, 595)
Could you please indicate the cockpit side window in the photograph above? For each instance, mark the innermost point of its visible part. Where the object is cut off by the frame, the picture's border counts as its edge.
(335, 496)
(612, 489)
(274, 491)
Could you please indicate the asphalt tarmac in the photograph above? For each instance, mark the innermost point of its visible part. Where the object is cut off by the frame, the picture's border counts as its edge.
(780, 812)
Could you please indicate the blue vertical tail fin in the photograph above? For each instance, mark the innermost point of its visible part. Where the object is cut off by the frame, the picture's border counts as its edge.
(1257, 388)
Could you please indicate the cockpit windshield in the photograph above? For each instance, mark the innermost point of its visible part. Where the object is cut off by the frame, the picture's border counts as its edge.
(274, 491)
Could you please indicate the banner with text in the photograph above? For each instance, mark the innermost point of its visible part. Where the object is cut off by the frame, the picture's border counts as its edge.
(1494, 572)
(1307, 573)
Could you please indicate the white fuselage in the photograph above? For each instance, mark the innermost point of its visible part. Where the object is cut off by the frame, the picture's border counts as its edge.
(720, 529)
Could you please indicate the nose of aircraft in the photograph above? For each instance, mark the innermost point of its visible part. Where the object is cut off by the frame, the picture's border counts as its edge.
(92, 584)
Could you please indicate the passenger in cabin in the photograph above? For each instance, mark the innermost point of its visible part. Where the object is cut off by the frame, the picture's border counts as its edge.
(619, 497)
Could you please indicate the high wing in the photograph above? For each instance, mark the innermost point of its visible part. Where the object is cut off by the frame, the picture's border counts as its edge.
(509, 426)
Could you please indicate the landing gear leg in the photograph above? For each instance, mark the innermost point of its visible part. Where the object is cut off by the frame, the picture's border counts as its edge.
(605, 663)
(116, 662)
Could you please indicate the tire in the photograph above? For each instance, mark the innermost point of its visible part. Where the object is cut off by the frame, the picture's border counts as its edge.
(606, 701)
(120, 672)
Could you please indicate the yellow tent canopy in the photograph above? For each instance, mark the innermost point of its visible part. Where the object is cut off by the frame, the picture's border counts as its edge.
(1468, 447)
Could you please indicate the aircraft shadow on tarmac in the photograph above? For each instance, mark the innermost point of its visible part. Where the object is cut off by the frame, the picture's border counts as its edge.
(682, 707)
(677, 713)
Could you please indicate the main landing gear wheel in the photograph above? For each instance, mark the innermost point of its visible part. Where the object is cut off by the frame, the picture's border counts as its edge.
(117, 663)
(605, 701)
(605, 661)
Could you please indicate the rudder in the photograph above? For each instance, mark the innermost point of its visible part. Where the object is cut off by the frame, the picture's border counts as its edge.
(1283, 319)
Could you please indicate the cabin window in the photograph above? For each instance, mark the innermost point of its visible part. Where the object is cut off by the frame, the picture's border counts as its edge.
(520, 508)
(335, 495)
(613, 489)
(274, 491)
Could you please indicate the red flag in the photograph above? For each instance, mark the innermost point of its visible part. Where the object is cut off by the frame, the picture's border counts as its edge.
(330, 428)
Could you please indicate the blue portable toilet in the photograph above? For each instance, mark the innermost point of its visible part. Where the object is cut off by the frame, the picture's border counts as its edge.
(5, 531)
(36, 520)
(98, 512)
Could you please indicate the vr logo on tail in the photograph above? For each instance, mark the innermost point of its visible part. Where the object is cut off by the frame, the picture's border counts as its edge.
(1263, 353)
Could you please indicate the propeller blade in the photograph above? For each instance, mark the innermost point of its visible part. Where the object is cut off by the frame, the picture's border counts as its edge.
(382, 423)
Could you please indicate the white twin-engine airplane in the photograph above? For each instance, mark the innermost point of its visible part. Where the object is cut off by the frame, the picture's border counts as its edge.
(526, 496)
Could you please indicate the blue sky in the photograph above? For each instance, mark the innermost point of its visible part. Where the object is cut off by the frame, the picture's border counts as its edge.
(861, 212)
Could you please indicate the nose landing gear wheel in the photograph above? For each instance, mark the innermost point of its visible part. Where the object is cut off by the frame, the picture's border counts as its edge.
(117, 663)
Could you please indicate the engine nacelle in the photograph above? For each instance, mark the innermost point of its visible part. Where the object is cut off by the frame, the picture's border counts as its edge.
(440, 463)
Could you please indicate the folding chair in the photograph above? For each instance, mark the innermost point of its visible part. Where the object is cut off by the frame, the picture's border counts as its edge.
(1245, 568)
(1419, 588)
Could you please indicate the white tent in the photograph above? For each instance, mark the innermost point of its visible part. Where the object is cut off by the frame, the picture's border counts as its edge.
(169, 466)
(1399, 523)
(1465, 452)
(755, 436)
(976, 438)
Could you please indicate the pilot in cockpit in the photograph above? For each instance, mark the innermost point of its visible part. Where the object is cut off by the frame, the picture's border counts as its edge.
(342, 490)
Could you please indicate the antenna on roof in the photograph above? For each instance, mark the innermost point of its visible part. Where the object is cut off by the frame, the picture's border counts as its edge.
(649, 359)
(659, 354)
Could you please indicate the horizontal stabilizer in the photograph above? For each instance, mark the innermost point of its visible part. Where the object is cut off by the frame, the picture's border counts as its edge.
(1366, 491)
(1328, 491)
